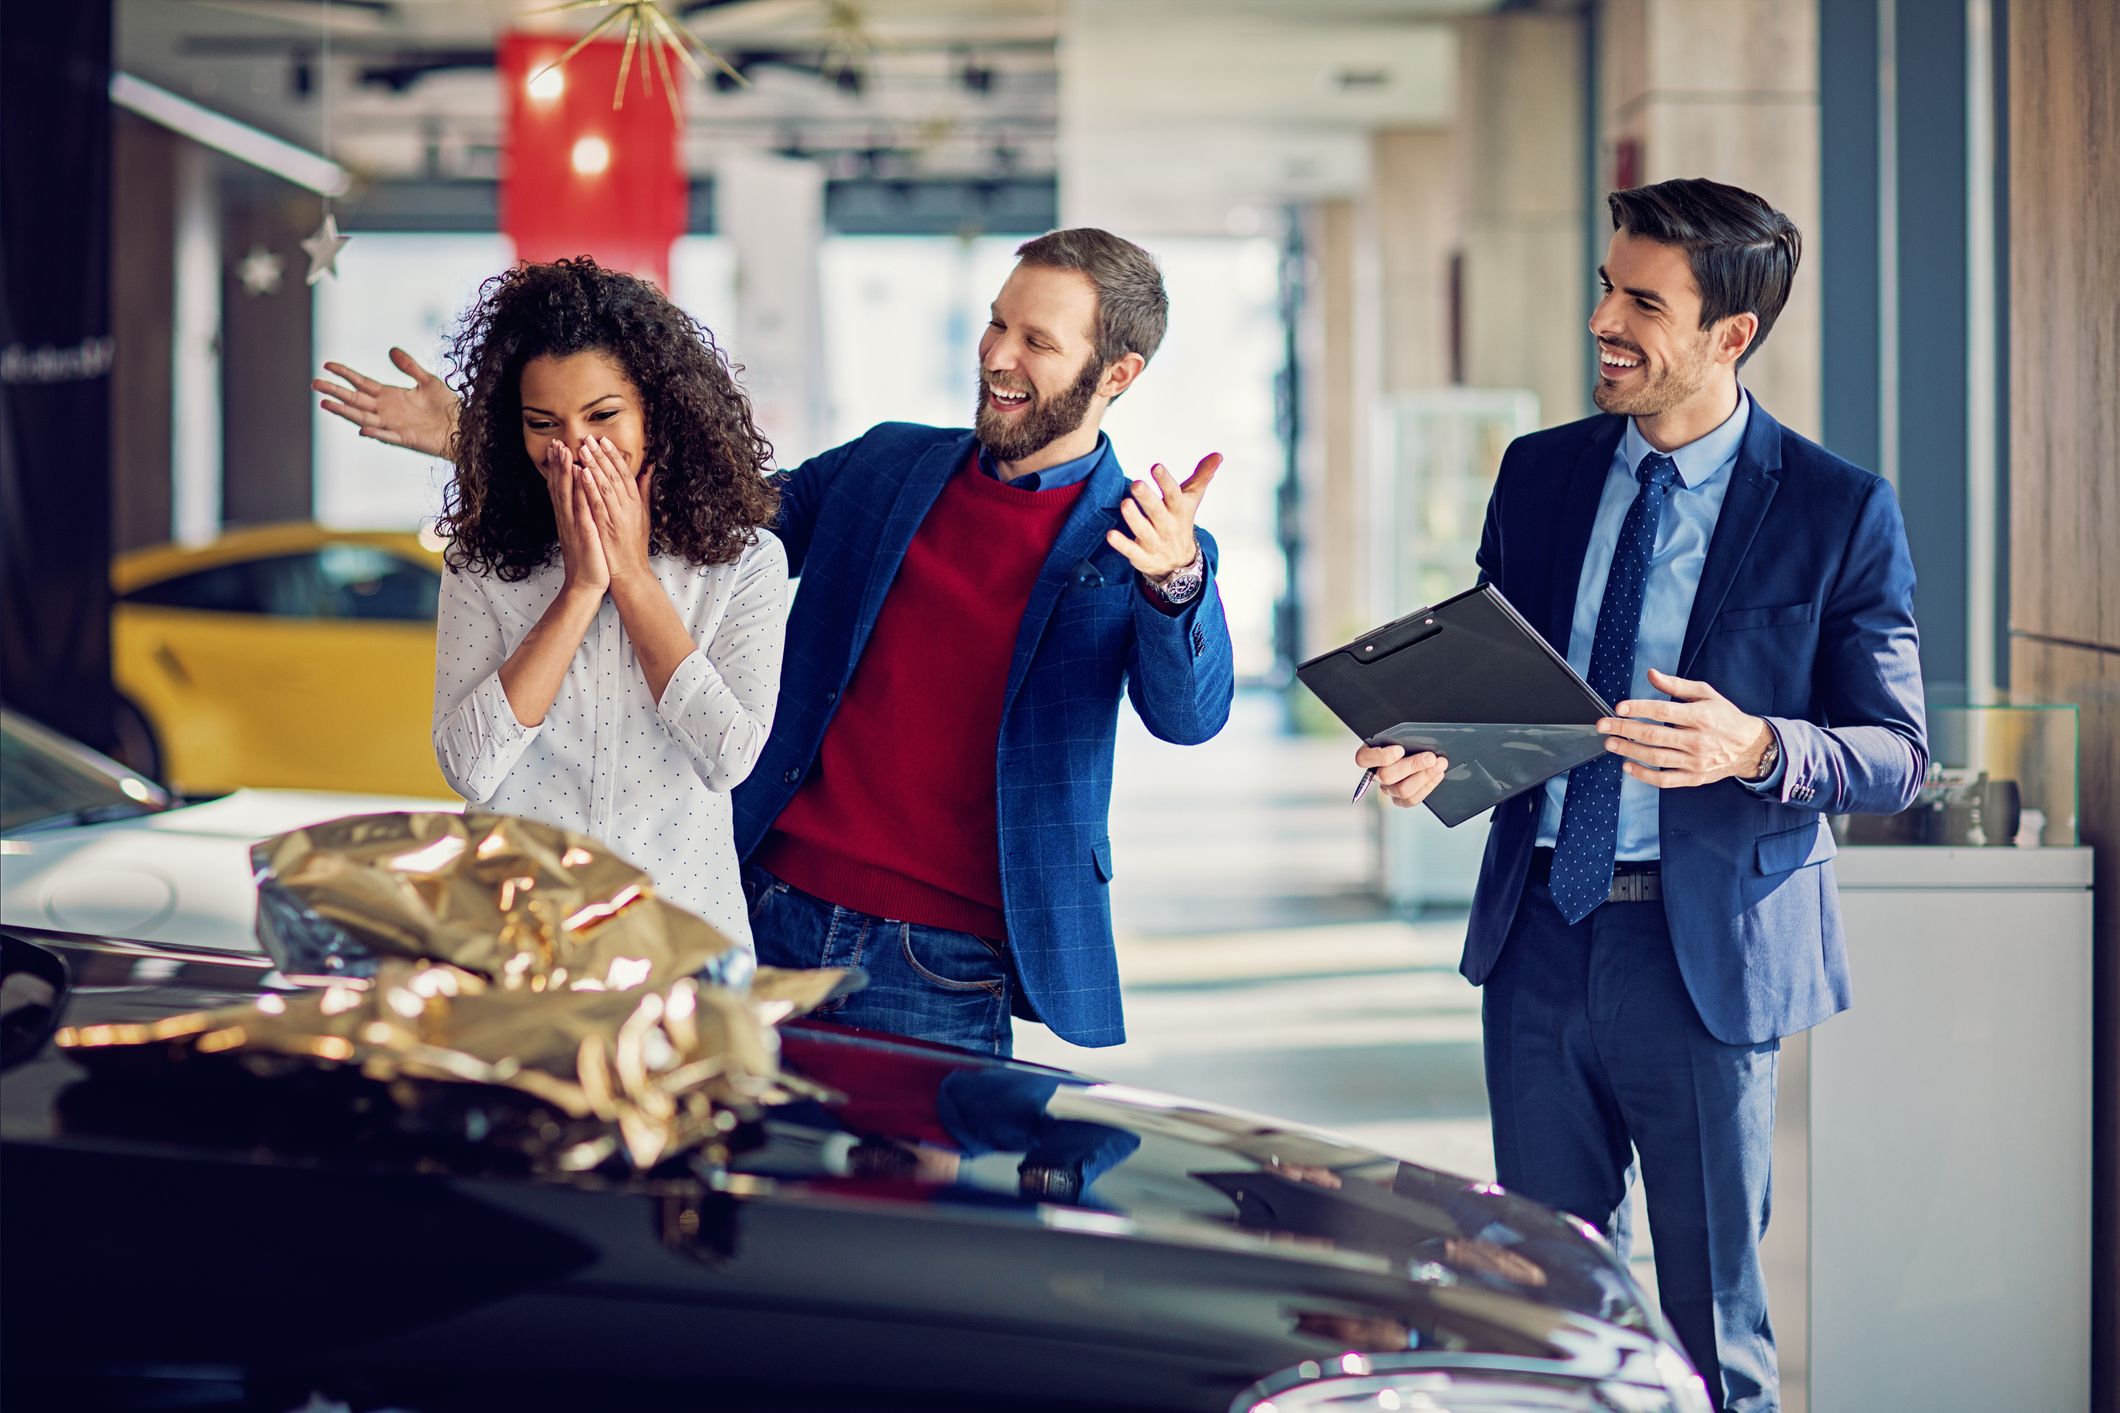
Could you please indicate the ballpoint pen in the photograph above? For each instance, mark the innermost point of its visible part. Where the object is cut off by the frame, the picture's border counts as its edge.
(1361, 787)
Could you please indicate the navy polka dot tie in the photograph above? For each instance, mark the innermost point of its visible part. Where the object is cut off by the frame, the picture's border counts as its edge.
(1583, 852)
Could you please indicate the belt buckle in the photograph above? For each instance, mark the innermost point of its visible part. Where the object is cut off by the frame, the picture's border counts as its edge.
(1634, 886)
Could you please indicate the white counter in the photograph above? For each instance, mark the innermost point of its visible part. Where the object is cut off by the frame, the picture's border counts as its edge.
(1930, 1247)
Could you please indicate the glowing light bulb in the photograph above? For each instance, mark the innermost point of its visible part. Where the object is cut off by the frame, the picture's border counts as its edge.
(592, 156)
(546, 84)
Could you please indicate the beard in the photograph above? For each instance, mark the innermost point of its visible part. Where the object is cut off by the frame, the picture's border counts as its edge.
(1660, 389)
(1014, 436)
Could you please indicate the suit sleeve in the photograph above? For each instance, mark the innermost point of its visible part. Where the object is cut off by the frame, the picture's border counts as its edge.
(1181, 669)
(803, 492)
(1869, 751)
(1489, 555)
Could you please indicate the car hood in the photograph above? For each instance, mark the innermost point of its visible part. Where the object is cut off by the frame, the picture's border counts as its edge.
(1025, 1197)
(180, 877)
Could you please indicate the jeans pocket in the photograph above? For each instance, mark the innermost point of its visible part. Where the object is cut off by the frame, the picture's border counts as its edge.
(758, 888)
(954, 961)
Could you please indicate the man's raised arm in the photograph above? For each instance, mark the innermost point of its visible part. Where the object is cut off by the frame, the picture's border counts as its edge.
(419, 418)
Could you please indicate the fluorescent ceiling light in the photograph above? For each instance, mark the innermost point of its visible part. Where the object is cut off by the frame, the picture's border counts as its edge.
(224, 134)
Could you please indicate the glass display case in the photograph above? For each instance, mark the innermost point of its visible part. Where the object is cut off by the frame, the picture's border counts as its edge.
(1438, 452)
(1999, 777)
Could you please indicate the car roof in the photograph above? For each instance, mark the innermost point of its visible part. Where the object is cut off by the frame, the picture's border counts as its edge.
(136, 569)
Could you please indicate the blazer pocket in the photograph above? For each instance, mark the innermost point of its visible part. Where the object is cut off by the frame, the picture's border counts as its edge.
(1765, 617)
(1100, 854)
(1796, 848)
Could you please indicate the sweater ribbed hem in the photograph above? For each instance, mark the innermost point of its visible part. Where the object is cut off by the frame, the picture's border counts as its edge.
(879, 892)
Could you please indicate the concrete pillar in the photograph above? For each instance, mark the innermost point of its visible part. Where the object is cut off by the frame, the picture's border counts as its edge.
(772, 210)
(1525, 291)
(1416, 223)
(1339, 348)
(266, 356)
(195, 408)
(143, 296)
(1726, 89)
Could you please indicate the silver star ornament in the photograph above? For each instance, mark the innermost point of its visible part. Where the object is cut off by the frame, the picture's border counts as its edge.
(323, 249)
(260, 271)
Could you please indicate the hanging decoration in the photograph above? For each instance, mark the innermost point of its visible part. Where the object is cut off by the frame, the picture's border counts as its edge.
(324, 246)
(848, 46)
(666, 38)
(260, 271)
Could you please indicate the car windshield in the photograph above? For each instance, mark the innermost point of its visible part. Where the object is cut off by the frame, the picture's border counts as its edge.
(47, 781)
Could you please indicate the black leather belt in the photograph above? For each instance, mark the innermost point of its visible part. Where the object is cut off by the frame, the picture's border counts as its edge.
(1631, 882)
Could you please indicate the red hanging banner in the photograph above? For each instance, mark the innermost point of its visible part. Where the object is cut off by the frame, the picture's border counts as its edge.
(579, 178)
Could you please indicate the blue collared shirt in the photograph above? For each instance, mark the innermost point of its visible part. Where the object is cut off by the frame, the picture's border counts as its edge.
(1682, 535)
(1052, 478)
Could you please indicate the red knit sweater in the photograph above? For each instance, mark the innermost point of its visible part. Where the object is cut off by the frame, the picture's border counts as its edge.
(897, 819)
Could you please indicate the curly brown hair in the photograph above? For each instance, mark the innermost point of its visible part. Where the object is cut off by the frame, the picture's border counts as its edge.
(712, 495)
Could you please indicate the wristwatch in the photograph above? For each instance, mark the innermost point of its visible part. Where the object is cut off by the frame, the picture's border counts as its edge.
(1768, 759)
(1182, 586)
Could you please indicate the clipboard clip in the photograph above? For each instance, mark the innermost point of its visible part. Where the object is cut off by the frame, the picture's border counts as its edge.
(1413, 628)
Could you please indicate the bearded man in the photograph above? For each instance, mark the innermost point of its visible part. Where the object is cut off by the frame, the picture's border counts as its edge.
(931, 805)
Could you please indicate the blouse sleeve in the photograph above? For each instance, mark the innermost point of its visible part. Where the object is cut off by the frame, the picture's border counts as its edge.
(719, 701)
(477, 739)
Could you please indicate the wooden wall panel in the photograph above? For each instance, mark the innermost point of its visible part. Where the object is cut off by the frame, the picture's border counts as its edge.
(2064, 469)
(2064, 92)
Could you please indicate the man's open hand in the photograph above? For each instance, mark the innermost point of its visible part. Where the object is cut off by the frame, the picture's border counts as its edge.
(1696, 738)
(1159, 516)
(421, 417)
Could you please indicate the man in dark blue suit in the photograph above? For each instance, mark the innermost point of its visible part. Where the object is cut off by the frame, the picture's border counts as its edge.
(1649, 926)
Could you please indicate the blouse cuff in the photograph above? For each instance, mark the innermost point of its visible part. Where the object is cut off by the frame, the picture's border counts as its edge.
(482, 740)
(687, 681)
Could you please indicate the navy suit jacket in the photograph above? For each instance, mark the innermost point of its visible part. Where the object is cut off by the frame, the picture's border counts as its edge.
(1805, 616)
(1089, 635)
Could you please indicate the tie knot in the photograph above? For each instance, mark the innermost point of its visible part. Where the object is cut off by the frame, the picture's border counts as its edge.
(1656, 469)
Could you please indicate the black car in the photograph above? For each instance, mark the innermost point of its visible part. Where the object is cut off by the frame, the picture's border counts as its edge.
(953, 1233)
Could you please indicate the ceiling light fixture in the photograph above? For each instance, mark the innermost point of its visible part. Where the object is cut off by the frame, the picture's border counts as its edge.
(665, 37)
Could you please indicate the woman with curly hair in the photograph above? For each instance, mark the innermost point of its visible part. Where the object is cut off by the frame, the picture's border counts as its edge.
(610, 628)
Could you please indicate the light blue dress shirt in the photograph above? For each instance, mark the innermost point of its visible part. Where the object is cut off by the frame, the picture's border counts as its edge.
(1682, 535)
(1052, 478)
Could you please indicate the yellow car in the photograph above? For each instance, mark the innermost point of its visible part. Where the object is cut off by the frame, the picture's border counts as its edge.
(282, 656)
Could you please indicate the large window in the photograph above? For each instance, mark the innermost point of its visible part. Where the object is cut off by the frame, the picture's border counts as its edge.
(402, 289)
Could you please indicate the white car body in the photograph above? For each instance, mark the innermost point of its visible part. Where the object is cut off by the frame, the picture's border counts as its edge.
(180, 876)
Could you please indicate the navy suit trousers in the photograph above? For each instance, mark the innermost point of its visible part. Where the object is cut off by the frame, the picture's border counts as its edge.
(1596, 1053)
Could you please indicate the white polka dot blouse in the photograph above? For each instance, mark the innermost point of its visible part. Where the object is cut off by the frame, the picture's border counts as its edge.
(650, 778)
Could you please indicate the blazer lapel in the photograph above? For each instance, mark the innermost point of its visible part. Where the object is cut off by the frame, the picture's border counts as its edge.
(1754, 480)
(922, 486)
(1095, 512)
(1585, 486)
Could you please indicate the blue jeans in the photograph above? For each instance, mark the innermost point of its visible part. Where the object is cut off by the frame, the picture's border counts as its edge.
(925, 982)
(1595, 1053)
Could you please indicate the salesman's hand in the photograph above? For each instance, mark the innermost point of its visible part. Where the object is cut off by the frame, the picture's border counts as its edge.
(421, 417)
(1159, 516)
(1405, 780)
(1703, 738)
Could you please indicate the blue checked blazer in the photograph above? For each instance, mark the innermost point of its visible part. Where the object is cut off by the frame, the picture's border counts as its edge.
(1804, 616)
(1088, 632)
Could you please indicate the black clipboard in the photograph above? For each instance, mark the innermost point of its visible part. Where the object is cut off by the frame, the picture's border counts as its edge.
(1471, 680)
